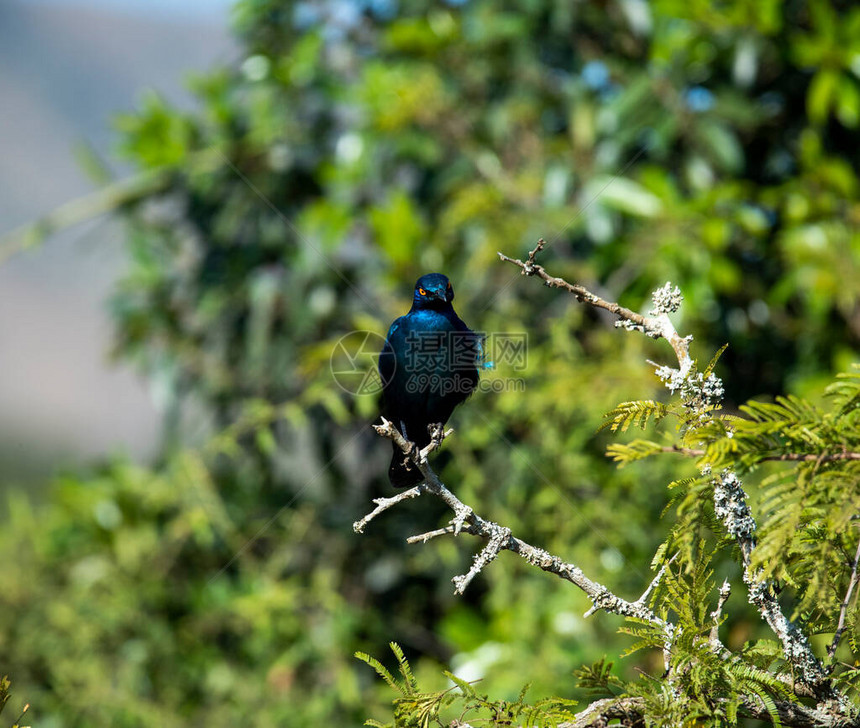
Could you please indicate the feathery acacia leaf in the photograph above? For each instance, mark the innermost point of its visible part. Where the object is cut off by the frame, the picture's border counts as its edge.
(628, 414)
(632, 451)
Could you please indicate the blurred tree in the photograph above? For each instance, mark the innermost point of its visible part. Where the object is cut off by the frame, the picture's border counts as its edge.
(353, 147)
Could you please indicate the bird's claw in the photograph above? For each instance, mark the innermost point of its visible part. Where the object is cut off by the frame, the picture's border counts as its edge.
(437, 434)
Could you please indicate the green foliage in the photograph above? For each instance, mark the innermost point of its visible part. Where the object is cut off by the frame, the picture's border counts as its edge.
(707, 684)
(634, 450)
(712, 145)
(408, 686)
(598, 678)
(807, 535)
(5, 683)
(636, 414)
(417, 709)
(806, 532)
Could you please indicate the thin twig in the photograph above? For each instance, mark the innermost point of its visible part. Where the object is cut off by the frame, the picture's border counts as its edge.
(425, 537)
(383, 504)
(784, 457)
(496, 542)
(658, 326)
(656, 580)
(796, 647)
(840, 627)
(725, 591)
(499, 538)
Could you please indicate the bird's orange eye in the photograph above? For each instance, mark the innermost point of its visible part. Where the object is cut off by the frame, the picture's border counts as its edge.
(422, 291)
(449, 285)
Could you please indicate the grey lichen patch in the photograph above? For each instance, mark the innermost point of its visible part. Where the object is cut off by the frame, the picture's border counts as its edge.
(628, 325)
(730, 506)
(666, 299)
(699, 394)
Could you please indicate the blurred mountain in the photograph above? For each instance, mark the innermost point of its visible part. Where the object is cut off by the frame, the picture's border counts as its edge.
(65, 69)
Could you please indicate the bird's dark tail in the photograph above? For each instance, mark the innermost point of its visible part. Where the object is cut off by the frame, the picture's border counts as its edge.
(403, 474)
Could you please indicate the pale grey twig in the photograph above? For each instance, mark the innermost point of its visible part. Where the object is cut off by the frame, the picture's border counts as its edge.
(425, 537)
(497, 541)
(630, 711)
(383, 504)
(840, 627)
(700, 395)
(500, 538)
(725, 592)
(656, 580)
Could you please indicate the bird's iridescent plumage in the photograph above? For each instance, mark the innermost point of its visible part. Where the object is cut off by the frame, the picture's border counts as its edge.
(429, 364)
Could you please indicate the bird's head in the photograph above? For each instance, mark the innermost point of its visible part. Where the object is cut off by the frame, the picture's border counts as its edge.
(432, 291)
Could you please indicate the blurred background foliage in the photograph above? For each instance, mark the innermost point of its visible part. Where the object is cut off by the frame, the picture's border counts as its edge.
(357, 145)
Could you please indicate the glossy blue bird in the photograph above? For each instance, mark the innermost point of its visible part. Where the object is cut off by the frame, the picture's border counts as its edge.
(428, 365)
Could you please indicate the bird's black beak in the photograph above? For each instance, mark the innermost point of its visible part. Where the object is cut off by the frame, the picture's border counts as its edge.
(438, 295)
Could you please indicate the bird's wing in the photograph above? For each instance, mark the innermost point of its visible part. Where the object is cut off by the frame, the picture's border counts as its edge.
(476, 339)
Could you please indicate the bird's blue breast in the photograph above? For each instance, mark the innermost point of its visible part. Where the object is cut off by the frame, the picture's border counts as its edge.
(422, 342)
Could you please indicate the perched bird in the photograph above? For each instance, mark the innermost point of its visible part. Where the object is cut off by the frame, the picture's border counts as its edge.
(428, 365)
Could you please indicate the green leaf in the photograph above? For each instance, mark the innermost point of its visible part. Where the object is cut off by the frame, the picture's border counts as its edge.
(722, 145)
(625, 195)
(713, 363)
(634, 413)
(381, 670)
(397, 227)
(848, 103)
(409, 679)
(636, 450)
(820, 96)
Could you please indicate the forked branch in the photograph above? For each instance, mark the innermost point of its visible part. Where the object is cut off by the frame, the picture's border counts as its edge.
(498, 538)
(700, 395)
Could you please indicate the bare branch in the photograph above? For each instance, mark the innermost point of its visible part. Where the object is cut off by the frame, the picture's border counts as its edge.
(630, 712)
(840, 628)
(812, 457)
(699, 395)
(500, 538)
(725, 591)
(88, 207)
(425, 537)
(598, 715)
(783, 457)
(432, 484)
(656, 326)
(383, 504)
(642, 600)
